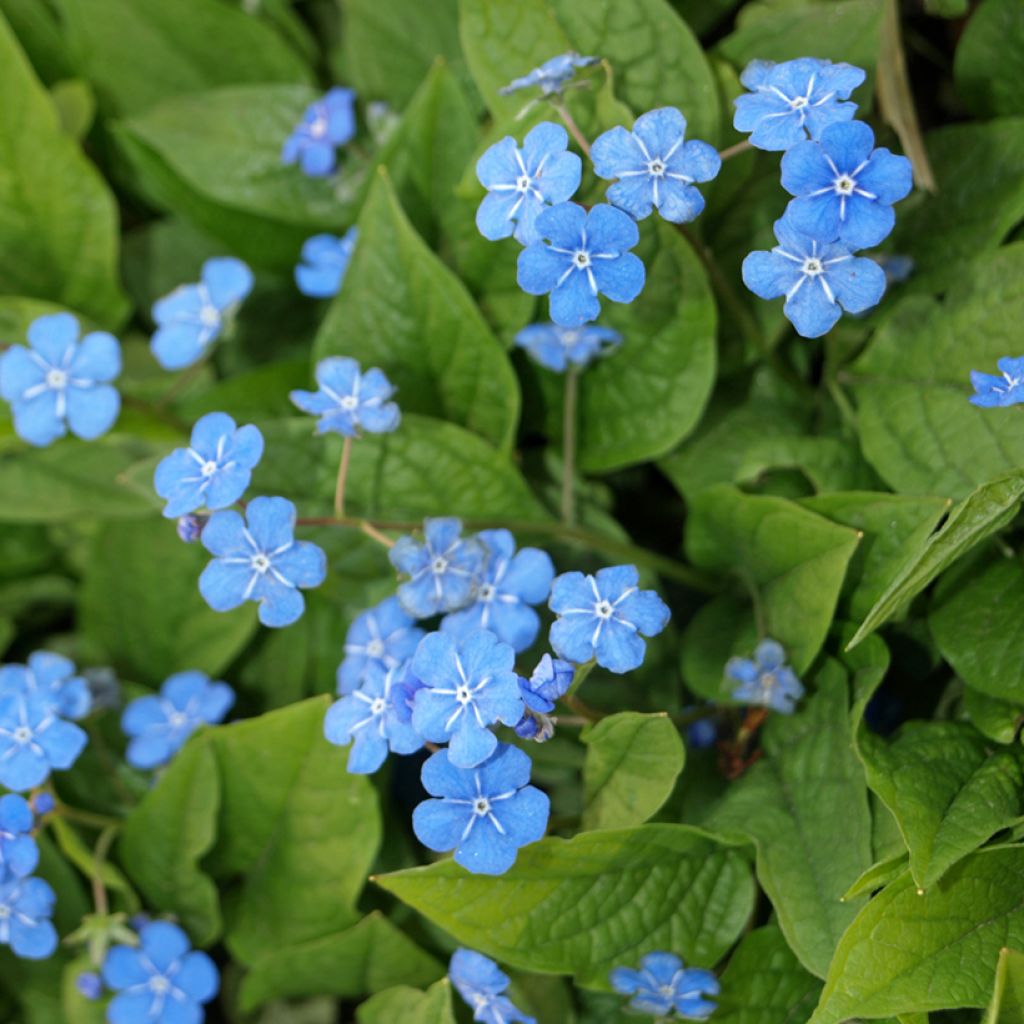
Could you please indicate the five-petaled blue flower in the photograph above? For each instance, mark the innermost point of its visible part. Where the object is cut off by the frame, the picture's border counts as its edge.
(325, 261)
(587, 254)
(468, 684)
(790, 101)
(59, 383)
(327, 123)
(349, 401)
(214, 470)
(558, 348)
(160, 981)
(443, 569)
(552, 76)
(383, 636)
(766, 680)
(18, 851)
(375, 718)
(604, 617)
(1006, 389)
(663, 984)
(844, 187)
(484, 813)
(510, 583)
(258, 559)
(819, 279)
(482, 985)
(26, 906)
(160, 724)
(522, 182)
(193, 315)
(34, 739)
(52, 676)
(656, 167)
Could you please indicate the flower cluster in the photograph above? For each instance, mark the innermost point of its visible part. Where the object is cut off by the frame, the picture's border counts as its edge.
(26, 902)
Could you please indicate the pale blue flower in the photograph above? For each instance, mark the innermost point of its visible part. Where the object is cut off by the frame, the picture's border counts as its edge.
(663, 984)
(26, 906)
(53, 677)
(766, 680)
(1006, 389)
(552, 76)
(558, 348)
(19, 854)
(325, 260)
(348, 400)
(326, 124)
(34, 740)
(482, 985)
(383, 636)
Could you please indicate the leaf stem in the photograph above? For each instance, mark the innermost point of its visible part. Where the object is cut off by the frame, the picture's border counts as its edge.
(569, 446)
(339, 487)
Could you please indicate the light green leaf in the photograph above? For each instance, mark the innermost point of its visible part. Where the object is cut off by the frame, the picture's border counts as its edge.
(879, 875)
(77, 1009)
(1007, 1006)
(997, 719)
(591, 903)
(990, 58)
(74, 848)
(39, 33)
(632, 765)
(409, 1005)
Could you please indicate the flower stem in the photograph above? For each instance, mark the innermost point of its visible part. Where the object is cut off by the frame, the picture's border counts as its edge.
(569, 446)
(86, 817)
(371, 531)
(730, 151)
(99, 856)
(570, 122)
(339, 487)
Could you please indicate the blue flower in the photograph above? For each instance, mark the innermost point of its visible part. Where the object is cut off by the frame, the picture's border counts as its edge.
(586, 255)
(53, 677)
(766, 680)
(522, 182)
(790, 101)
(327, 123)
(194, 315)
(468, 685)
(59, 383)
(159, 725)
(482, 985)
(258, 559)
(89, 985)
(552, 76)
(702, 733)
(443, 570)
(325, 261)
(161, 981)
(510, 583)
(26, 906)
(663, 984)
(43, 803)
(819, 279)
(656, 166)
(557, 348)
(34, 740)
(375, 718)
(1007, 389)
(550, 681)
(844, 187)
(349, 401)
(384, 636)
(18, 851)
(214, 471)
(604, 617)
(485, 813)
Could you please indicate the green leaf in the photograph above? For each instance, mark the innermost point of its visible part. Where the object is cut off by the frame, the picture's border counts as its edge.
(74, 848)
(77, 1009)
(1007, 1006)
(632, 765)
(585, 905)
(879, 875)
(58, 229)
(993, 39)
(947, 8)
(997, 719)
(409, 1005)
(807, 790)
(39, 33)
(140, 606)
(911, 953)
(988, 509)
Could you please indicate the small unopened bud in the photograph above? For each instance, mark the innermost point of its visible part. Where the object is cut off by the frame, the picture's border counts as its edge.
(190, 528)
(89, 985)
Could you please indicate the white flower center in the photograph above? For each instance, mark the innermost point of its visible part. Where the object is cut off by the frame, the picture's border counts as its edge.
(798, 101)
(349, 402)
(56, 379)
(486, 592)
(481, 806)
(209, 317)
(208, 468)
(22, 735)
(581, 258)
(260, 562)
(603, 610)
(177, 719)
(667, 991)
(318, 129)
(377, 706)
(523, 183)
(813, 266)
(439, 565)
(159, 985)
(375, 648)
(845, 185)
(462, 695)
(656, 167)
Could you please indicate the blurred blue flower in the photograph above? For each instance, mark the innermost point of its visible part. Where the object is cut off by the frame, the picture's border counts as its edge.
(89, 985)
(790, 101)
(844, 187)
(349, 401)
(468, 684)
(193, 315)
(766, 680)
(18, 851)
(663, 984)
(586, 255)
(558, 348)
(43, 803)
(54, 678)
(160, 981)
(59, 383)
(214, 470)
(898, 266)
(702, 733)
(34, 740)
(552, 76)
(484, 813)
(190, 527)
(325, 260)
(482, 985)
(443, 569)
(604, 617)
(550, 681)
(375, 718)
(26, 906)
(522, 182)
(327, 123)
(258, 559)
(1006, 389)
(159, 725)
(656, 166)
(818, 279)
(511, 581)
(383, 636)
